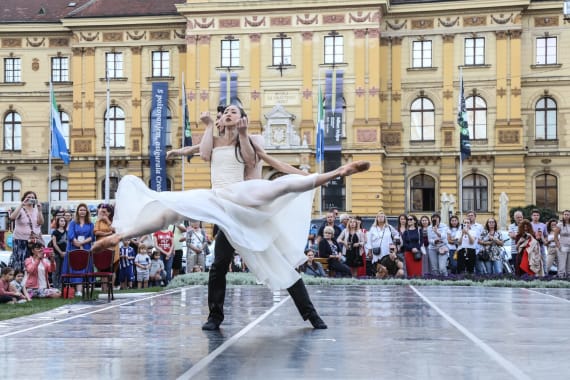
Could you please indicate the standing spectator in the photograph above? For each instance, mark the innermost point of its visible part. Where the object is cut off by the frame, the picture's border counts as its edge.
(530, 258)
(401, 228)
(438, 251)
(38, 268)
(178, 229)
(164, 243)
(103, 227)
(311, 239)
(379, 238)
(68, 215)
(491, 243)
(352, 241)
(513, 232)
(142, 263)
(329, 249)
(329, 221)
(454, 227)
(17, 285)
(477, 229)
(126, 263)
(411, 244)
(424, 228)
(540, 233)
(28, 219)
(157, 274)
(8, 295)
(79, 236)
(467, 239)
(344, 218)
(59, 246)
(564, 247)
(366, 269)
(312, 267)
(552, 244)
(196, 245)
(53, 224)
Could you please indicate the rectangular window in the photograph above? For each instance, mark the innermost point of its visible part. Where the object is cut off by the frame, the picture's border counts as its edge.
(12, 70)
(114, 65)
(421, 54)
(281, 51)
(474, 51)
(230, 53)
(334, 50)
(546, 50)
(60, 69)
(160, 64)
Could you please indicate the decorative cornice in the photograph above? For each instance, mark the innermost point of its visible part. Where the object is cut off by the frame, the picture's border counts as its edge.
(35, 43)
(76, 51)
(159, 35)
(546, 21)
(474, 21)
(395, 25)
(204, 24)
(136, 50)
(229, 23)
(281, 21)
(373, 33)
(90, 51)
(360, 33)
(501, 20)
(135, 36)
(308, 20)
(448, 37)
(396, 41)
(448, 22)
(501, 34)
(89, 36)
(181, 34)
(112, 36)
(204, 39)
(254, 22)
(307, 36)
(422, 24)
(333, 19)
(58, 42)
(182, 48)
(359, 17)
(255, 37)
(515, 34)
(11, 42)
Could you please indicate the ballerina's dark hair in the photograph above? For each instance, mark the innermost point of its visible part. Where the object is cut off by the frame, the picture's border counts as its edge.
(239, 157)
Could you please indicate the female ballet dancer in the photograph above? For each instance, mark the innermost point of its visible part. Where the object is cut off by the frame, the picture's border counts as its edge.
(266, 221)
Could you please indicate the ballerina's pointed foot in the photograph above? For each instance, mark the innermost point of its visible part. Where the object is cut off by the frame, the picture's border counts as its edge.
(354, 167)
(106, 242)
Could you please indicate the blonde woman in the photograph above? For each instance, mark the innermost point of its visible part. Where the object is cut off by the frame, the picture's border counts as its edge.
(352, 241)
(379, 238)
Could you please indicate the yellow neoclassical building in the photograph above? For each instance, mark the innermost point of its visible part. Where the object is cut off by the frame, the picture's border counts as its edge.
(387, 74)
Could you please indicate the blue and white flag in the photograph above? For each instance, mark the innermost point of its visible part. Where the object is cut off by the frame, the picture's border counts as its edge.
(464, 142)
(320, 145)
(58, 145)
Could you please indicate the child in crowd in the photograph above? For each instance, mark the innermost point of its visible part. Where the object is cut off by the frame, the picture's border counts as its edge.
(142, 263)
(7, 295)
(17, 285)
(126, 263)
(157, 274)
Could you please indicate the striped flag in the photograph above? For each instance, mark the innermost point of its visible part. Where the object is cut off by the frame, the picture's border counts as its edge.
(320, 145)
(464, 143)
(186, 128)
(58, 145)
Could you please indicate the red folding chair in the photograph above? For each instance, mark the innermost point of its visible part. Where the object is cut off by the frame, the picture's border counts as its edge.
(103, 261)
(78, 261)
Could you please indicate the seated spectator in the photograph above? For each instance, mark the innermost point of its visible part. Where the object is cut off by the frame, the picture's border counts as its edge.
(38, 267)
(6, 294)
(157, 274)
(312, 267)
(329, 249)
(17, 285)
(390, 265)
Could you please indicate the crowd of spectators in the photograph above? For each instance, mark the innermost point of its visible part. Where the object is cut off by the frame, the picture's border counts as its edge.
(426, 246)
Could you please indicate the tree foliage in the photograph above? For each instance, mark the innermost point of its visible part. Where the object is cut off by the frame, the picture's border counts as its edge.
(545, 213)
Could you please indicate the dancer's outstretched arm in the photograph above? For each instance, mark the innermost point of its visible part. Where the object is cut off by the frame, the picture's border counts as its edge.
(184, 151)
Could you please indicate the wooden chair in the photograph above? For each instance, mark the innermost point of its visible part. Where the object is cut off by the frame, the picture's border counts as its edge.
(103, 261)
(78, 260)
(325, 263)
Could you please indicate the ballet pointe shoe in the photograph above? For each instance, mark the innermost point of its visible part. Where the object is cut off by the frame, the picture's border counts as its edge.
(106, 242)
(353, 168)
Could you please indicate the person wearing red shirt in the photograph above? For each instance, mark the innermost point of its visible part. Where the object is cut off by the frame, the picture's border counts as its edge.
(164, 243)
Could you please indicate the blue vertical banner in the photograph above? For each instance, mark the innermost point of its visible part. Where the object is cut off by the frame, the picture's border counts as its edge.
(233, 89)
(223, 89)
(329, 112)
(158, 136)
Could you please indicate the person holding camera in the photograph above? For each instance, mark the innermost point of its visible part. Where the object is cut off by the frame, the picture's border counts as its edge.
(38, 268)
(438, 251)
(352, 241)
(390, 265)
(379, 238)
(28, 219)
(467, 239)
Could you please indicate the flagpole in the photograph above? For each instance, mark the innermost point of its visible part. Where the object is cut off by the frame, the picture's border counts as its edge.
(460, 197)
(320, 145)
(183, 125)
(107, 141)
(50, 145)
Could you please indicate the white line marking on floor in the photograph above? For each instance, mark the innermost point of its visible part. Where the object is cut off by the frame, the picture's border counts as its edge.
(546, 294)
(507, 365)
(200, 365)
(89, 313)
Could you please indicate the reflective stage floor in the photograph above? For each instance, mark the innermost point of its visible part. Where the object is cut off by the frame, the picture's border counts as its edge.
(375, 332)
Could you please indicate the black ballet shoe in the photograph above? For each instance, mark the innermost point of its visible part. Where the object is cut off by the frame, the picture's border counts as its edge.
(211, 325)
(317, 322)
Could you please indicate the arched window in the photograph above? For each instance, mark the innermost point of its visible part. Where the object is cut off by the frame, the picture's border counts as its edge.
(116, 126)
(58, 189)
(422, 191)
(168, 131)
(475, 193)
(545, 119)
(64, 117)
(476, 117)
(11, 190)
(422, 116)
(546, 186)
(12, 131)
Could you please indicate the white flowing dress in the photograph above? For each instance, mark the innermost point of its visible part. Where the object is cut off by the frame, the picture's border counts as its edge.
(266, 221)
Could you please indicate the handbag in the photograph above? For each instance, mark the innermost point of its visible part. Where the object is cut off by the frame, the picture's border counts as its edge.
(376, 251)
(418, 255)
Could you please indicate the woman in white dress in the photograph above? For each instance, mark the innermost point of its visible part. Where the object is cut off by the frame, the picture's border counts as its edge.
(265, 221)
